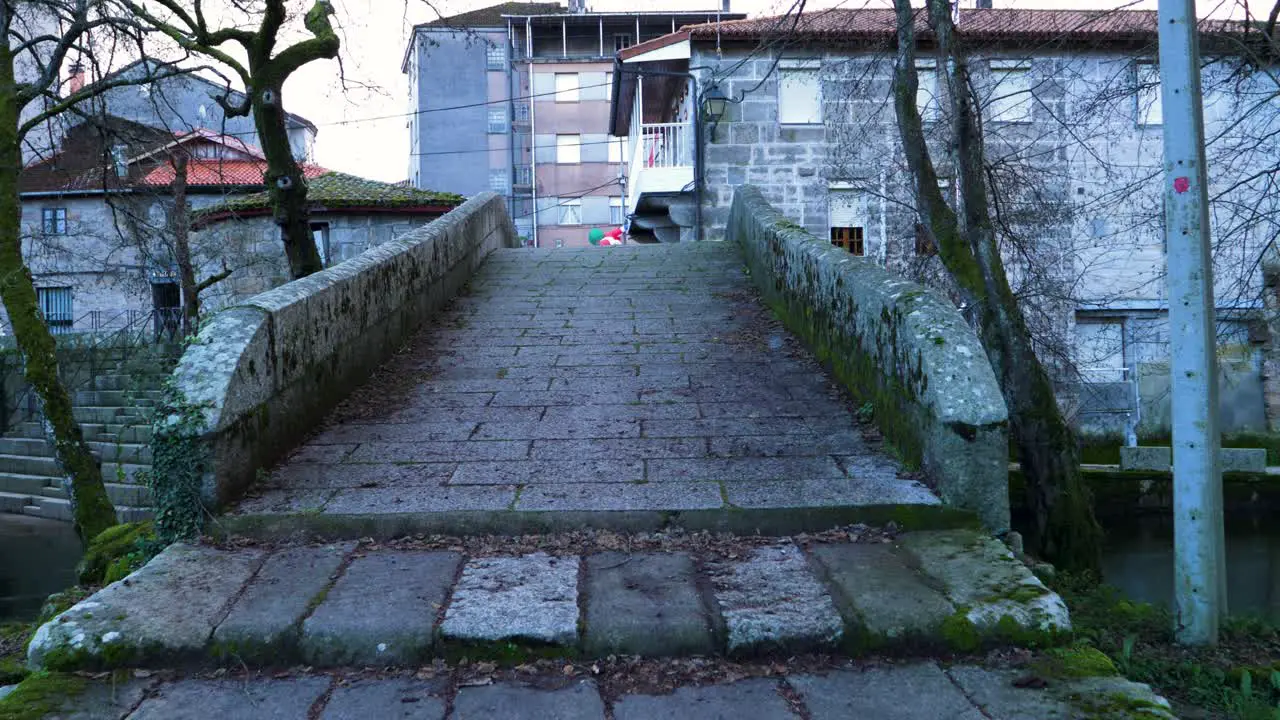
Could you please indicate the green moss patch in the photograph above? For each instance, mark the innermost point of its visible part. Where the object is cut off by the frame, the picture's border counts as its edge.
(1077, 661)
(118, 550)
(40, 695)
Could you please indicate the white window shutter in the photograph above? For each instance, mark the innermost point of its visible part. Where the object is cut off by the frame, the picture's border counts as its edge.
(799, 96)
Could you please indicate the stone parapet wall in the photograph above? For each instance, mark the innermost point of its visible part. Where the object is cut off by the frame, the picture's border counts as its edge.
(265, 371)
(892, 344)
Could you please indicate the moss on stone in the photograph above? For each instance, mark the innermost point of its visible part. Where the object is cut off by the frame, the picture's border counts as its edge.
(960, 634)
(507, 653)
(40, 695)
(1077, 661)
(111, 545)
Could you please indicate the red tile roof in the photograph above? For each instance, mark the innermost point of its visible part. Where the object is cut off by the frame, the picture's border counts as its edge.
(995, 25)
(212, 172)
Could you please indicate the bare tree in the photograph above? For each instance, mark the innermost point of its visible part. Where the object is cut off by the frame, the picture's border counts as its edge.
(263, 74)
(38, 36)
(1065, 530)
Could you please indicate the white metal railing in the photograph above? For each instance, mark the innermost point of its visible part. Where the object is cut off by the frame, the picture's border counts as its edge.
(666, 145)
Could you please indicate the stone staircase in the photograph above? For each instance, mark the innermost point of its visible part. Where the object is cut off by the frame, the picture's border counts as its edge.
(115, 416)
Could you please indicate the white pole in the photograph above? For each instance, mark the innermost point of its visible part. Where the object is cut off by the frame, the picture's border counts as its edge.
(1199, 557)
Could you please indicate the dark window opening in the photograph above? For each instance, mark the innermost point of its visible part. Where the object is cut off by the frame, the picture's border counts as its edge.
(166, 303)
(849, 238)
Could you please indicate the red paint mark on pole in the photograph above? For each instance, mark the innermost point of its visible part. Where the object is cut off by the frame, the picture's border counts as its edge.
(1181, 184)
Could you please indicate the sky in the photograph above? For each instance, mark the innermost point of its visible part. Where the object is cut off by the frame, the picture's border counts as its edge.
(374, 35)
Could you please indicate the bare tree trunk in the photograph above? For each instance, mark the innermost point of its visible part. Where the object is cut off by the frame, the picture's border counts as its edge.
(91, 509)
(182, 246)
(286, 184)
(1065, 531)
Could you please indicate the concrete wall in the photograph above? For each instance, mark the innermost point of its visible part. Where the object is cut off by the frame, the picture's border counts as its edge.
(448, 69)
(893, 344)
(269, 369)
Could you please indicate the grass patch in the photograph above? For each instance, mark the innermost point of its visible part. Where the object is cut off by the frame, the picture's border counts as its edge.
(1237, 680)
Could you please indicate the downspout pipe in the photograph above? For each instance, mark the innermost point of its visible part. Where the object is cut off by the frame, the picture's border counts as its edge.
(638, 116)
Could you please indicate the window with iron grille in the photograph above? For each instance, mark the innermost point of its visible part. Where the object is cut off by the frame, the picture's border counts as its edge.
(615, 211)
(53, 221)
(55, 306)
(497, 120)
(524, 175)
(522, 112)
(496, 56)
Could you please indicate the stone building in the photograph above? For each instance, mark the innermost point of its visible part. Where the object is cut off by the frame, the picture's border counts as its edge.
(98, 223)
(1071, 117)
(514, 98)
(348, 215)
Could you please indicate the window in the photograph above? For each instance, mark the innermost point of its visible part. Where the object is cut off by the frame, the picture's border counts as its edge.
(928, 101)
(55, 306)
(320, 231)
(524, 175)
(522, 112)
(1150, 110)
(496, 57)
(497, 120)
(621, 41)
(617, 149)
(498, 180)
(1100, 350)
(847, 220)
(615, 211)
(569, 149)
(566, 87)
(120, 158)
(571, 211)
(799, 93)
(1011, 91)
(53, 221)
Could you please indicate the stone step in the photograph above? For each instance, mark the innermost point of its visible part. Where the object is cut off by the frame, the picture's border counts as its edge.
(116, 398)
(811, 688)
(110, 415)
(48, 467)
(59, 508)
(15, 503)
(113, 451)
(134, 434)
(118, 493)
(25, 484)
(344, 605)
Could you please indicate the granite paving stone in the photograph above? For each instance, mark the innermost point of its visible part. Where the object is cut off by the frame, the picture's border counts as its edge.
(395, 499)
(381, 611)
(614, 496)
(993, 691)
(903, 692)
(744, 700)
(648, 364)
(550, 472)
(264, 620)
(289, 699)
(168, 608)
(981, 575)
(579, 700)
(772, 599)
(383, 452)
(394, 699)
(532, 597)
(645, 604)
(880, 593)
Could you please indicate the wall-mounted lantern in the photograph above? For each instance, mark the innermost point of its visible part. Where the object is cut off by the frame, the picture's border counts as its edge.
(714, 103)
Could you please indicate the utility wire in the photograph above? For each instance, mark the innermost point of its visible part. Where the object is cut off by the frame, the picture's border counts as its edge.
(581, 194)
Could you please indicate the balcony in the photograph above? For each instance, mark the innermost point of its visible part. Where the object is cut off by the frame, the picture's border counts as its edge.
(661, 160)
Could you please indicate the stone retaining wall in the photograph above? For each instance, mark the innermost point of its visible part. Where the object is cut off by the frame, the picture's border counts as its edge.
(267, 370)
(894, 345)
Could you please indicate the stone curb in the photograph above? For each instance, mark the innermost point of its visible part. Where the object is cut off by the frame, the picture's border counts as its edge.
(339, 605)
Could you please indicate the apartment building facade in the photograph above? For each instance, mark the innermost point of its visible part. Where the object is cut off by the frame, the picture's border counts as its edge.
(515, 98)
(1071, 117)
